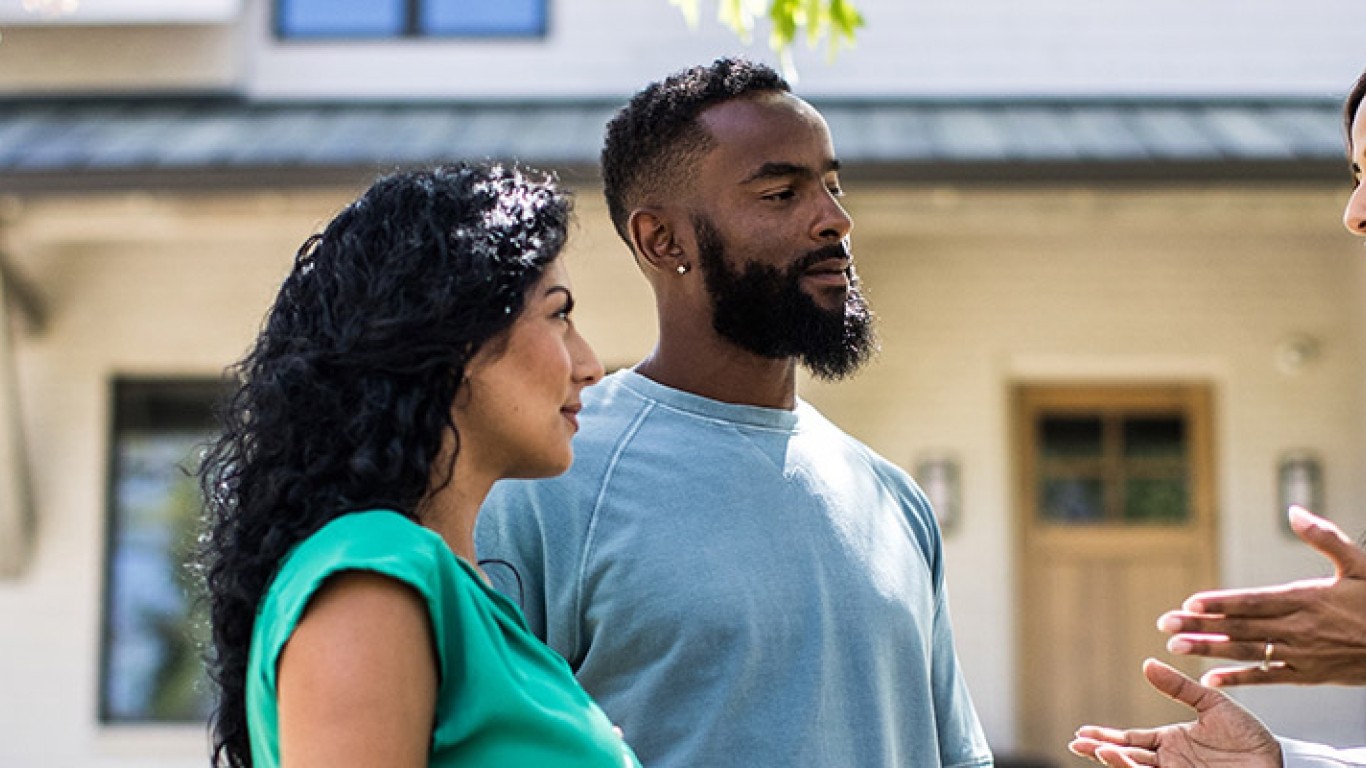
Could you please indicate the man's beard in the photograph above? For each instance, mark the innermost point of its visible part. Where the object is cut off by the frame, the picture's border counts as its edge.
(764, 310)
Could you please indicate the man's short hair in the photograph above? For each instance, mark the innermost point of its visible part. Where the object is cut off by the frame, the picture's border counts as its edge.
(653, 141)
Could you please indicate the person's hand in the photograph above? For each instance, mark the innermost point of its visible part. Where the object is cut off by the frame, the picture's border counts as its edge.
(1307, 632)
(1223, 734)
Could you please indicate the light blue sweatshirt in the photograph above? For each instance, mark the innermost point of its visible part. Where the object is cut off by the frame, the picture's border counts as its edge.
(738, 586)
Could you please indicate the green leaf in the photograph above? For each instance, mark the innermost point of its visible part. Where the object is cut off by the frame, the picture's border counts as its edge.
(846, 19)
(784, 16)
(835, 20)
(817, 18)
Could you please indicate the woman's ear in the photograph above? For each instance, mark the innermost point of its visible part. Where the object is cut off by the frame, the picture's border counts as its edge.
(654, 237)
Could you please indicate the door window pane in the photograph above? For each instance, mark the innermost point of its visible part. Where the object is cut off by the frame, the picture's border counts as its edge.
(481, 17)
(154, 629)
(1070, 436)
(1156, 500)
(1072, 500)
(1113, 467)
(1155, 437)
(341, 18)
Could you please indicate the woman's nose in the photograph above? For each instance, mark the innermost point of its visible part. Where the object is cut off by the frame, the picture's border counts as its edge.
(1354, 217)
(587, 367)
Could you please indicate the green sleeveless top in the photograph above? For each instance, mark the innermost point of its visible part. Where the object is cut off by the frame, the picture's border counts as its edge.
(504, 698)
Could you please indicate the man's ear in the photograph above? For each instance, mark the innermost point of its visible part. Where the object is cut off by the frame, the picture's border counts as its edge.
(654, 236)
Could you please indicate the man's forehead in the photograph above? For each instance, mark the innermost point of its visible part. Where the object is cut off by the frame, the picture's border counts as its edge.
(772, 127)
(759, 106)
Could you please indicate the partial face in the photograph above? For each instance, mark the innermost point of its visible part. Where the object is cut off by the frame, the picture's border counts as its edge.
(1355, 216)
(771, 186)
(519, 406)
(769, 312)
(772, 237)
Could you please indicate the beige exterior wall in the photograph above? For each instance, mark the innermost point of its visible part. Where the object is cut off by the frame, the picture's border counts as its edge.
(980, 289)
(977, 289)
(47, 60)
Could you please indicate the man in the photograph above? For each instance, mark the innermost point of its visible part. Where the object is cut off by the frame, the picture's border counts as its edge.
(734, 579)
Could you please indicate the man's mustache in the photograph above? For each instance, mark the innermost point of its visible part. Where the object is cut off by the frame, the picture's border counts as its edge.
(827, 253)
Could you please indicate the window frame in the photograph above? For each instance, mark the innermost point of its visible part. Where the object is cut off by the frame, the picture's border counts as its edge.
(412, 29)
(191, 392)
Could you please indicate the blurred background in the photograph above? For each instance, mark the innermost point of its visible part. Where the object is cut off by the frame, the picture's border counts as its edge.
(1122, 326)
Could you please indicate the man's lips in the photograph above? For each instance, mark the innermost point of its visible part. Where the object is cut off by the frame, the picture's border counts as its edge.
(571, 414)
(831, 272)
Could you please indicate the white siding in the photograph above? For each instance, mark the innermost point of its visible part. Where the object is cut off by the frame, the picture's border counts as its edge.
(609, 48)
(910, 48)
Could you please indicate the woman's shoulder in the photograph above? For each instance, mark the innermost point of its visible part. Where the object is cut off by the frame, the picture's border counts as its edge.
(381, 541)
(359, 533)
(380, 538)
(377, 542)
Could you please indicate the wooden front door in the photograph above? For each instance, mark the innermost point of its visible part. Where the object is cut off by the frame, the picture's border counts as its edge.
(1117, 510)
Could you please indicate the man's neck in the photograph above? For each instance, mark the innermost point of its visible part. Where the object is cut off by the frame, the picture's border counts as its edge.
(719, 370)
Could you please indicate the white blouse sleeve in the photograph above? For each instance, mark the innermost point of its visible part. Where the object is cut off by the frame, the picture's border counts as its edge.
(1303, 754)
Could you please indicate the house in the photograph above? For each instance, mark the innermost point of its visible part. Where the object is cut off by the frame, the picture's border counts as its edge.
(1121, 325)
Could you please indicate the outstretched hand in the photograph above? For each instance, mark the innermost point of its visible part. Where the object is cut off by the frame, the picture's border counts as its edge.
(1223, 733)
(1313, 631)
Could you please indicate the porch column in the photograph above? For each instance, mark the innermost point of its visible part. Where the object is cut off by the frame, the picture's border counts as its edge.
(18, 523)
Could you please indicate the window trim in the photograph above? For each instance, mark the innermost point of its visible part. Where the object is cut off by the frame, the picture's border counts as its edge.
(411, 32)
(212, 390)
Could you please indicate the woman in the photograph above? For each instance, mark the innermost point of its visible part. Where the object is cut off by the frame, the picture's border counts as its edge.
(1224, 733)
(420, 349)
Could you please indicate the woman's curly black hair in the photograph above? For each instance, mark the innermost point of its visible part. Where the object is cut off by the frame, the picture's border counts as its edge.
(346, 394)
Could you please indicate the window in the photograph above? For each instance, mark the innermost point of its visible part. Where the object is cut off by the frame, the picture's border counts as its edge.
(154, 629)
(333, 19)
(1112, 465)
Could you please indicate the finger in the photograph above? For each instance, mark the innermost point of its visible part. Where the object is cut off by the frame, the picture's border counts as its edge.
(1225, 677)
(1201, 645)
(1083, 747)
(1327, 538)
(1145, 738)
(1260, 602)
(1220, 627)
(1125, 757)
(1177, 686)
